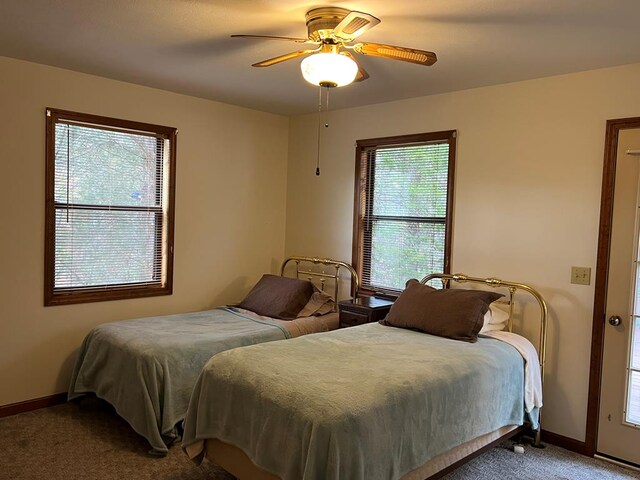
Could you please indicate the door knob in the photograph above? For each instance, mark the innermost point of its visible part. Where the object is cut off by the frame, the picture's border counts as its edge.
(615, 320)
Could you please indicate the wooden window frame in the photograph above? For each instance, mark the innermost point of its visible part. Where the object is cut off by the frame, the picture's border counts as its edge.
(114, 292)
(361, 189)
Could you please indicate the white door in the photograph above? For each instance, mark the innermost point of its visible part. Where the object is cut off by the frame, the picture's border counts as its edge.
(619, 416)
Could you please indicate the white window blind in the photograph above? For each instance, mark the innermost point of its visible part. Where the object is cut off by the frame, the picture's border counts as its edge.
(403, 208)
(110, 208)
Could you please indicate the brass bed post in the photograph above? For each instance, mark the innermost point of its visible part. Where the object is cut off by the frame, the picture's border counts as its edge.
(337, 283)
(512, 292)
(513, 287)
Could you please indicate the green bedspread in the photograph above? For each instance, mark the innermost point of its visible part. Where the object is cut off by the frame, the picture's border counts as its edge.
(369, 402)
(146, 368)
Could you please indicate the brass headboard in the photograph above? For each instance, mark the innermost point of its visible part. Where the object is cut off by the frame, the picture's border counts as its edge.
(446, 278)
(323, 276)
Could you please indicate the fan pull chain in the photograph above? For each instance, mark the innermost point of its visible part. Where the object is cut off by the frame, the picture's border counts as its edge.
(327, 108)
(319, 130)
(326, 125)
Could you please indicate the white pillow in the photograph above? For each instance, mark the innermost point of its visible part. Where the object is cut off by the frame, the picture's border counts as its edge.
(499, 312)
(492, 327)
(496, 317)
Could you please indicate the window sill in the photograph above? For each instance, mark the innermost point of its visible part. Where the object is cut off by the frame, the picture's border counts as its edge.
(70, 297)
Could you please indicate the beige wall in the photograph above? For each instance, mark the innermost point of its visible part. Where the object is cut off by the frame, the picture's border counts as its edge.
(527, 195)
(230, 212)
(526, 203)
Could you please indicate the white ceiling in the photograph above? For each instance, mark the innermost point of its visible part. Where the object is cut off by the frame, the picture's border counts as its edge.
(184, 45)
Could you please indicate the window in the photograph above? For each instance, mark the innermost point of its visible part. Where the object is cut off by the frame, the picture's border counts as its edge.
(403, 210)
(109, 208)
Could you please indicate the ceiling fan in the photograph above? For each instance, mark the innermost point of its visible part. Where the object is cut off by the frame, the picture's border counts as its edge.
(331, 32)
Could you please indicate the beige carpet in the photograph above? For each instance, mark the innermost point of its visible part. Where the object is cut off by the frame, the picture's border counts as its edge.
(89, 441)
(536, 464)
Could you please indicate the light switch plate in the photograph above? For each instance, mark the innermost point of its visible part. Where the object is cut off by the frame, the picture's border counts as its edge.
(581, 275)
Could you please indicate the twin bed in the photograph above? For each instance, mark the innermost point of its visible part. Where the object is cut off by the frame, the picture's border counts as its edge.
(146, 368)
(367, 402)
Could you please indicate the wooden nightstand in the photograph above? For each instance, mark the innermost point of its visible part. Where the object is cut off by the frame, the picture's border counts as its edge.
(363, 310)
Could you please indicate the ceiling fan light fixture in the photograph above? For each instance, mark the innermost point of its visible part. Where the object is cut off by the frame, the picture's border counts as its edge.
(329, 69)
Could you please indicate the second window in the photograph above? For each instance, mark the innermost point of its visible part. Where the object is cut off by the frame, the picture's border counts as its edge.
(403, 211)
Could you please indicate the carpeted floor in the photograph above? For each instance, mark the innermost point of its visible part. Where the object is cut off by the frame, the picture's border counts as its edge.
(89, 441)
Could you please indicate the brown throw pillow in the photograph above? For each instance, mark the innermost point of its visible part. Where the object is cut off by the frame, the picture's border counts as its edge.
(278, 297)
(456, 314)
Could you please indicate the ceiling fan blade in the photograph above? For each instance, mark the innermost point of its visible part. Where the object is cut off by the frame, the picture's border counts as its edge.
(354, 25)
(420, 57)
(362, 74)
(283, 58)
(270, 37)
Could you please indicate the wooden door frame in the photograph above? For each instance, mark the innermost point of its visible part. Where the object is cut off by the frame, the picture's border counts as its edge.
(602, 272)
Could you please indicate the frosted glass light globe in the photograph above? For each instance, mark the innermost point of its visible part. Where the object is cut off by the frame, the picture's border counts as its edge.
(329, 69)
